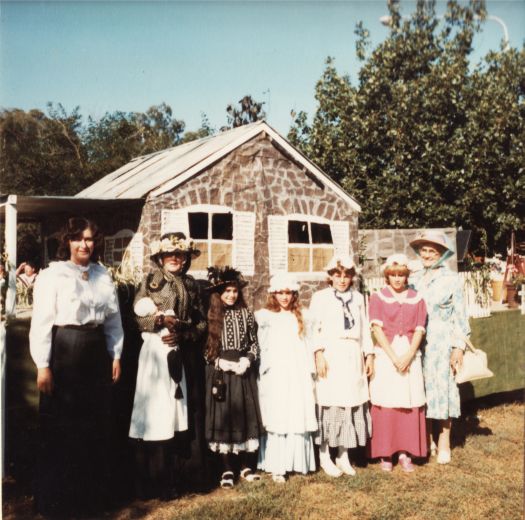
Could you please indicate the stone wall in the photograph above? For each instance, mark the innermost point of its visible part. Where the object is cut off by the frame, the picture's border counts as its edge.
(376, 245)
(259, 178)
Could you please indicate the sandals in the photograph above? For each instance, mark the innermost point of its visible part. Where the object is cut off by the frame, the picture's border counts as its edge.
(386, 465)
(278, 479)
(249, 476)
(226, 480)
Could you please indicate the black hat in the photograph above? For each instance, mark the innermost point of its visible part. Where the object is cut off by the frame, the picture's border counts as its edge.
(221, 277)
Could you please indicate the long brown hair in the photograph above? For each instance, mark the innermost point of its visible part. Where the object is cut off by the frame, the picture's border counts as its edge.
(216, 321)
(273, 305)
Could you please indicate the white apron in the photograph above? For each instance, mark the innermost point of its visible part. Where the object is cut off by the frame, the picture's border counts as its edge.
(391, 388)
(157, 415)
(346, 383)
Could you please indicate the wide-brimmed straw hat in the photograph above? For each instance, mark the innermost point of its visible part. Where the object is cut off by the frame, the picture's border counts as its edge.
(340, 262)
(435, 238)
(283, 282)
(221, 277)
(173, 243)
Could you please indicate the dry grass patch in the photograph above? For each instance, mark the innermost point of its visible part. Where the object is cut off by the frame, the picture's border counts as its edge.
(484, 480)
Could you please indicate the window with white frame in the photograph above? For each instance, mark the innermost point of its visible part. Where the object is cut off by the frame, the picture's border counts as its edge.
(124, 245)
(304, 244)
(224, 236)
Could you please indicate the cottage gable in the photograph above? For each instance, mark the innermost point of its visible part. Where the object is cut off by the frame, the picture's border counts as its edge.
(248, 198)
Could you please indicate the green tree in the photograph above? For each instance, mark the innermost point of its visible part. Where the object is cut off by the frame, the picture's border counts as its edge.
(247, 111)
(205, 130)
(422, 140)
(41, 154)
(118, 137)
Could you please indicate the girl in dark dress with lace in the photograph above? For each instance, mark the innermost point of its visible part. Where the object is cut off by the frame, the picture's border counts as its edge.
(233, 420)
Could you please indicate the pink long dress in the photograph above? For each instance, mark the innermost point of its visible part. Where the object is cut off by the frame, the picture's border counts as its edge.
(398, 400)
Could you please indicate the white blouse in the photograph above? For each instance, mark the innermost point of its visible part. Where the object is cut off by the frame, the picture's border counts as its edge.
(62, 297)
(328, 317)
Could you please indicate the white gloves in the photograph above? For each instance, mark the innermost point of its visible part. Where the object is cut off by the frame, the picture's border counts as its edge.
(227, 366)
(242, 366)
(237, 367)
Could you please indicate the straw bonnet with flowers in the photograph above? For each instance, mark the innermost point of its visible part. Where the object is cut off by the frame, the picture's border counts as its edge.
(173, 243)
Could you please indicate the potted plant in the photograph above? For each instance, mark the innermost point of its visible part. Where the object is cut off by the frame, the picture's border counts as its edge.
(496, 268)
(513, 287)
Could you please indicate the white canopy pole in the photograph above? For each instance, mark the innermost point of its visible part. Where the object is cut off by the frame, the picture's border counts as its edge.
(10, 304)
(10, 245)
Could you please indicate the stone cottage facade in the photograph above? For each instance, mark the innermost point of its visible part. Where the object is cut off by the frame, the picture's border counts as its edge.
(260, 206)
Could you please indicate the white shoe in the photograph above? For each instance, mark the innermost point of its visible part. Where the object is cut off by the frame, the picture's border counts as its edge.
(433, 448)
(331, 469)
(443, 456)
(278, 479)
(344, 465)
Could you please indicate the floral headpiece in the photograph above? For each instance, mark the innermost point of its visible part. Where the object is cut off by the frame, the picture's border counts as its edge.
(221, 277)
(172, 244)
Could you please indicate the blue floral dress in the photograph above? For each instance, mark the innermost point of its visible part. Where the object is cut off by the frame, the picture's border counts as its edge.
(442, 291)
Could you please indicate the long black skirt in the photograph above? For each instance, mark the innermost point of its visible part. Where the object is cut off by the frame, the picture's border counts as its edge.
(238, 418)
(72, 467)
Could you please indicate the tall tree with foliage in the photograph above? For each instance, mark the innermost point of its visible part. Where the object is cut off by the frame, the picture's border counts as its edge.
(118, 137)
(40, 153)
(247, 111)
(423, 140)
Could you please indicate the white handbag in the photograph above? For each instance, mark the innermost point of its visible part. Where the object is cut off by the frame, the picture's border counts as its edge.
(474, 365)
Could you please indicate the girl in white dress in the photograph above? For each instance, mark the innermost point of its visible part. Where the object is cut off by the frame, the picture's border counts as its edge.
(286, 391)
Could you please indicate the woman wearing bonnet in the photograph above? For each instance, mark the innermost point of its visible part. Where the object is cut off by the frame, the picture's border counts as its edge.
(446, 329)
(398, 319)
(343, 353)
(167, 314)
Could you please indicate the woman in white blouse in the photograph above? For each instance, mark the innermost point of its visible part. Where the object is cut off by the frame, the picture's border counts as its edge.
(76, 340)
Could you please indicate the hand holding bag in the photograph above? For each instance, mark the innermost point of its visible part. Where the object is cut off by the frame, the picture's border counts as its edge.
(474, 364)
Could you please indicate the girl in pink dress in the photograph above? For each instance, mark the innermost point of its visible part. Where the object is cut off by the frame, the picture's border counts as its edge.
(397, 316)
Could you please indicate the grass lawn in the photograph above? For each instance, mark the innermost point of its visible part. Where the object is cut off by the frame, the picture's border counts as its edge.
(484, 480)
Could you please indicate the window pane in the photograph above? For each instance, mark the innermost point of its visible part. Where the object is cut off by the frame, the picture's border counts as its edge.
(221, 254)
(298, 259)
(321, 257)
(222, 226)
(321, 234)
(198, 225)
(200, 263)
(298, 232)
(117, 257)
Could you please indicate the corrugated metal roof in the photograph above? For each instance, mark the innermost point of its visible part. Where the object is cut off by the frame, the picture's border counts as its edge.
(163, 171)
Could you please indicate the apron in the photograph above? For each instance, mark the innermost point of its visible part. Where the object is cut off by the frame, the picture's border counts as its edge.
(157, 415)
(346, 383)
(393, 389)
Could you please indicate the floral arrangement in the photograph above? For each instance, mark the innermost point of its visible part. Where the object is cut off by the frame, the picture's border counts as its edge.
(496, 267)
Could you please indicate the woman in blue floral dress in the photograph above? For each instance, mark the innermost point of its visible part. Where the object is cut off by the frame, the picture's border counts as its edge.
(447, 327)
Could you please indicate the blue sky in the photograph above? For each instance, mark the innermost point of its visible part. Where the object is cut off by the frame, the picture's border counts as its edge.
(195, 56)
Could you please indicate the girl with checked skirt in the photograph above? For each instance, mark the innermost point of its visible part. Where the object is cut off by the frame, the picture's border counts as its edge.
(344, 358)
